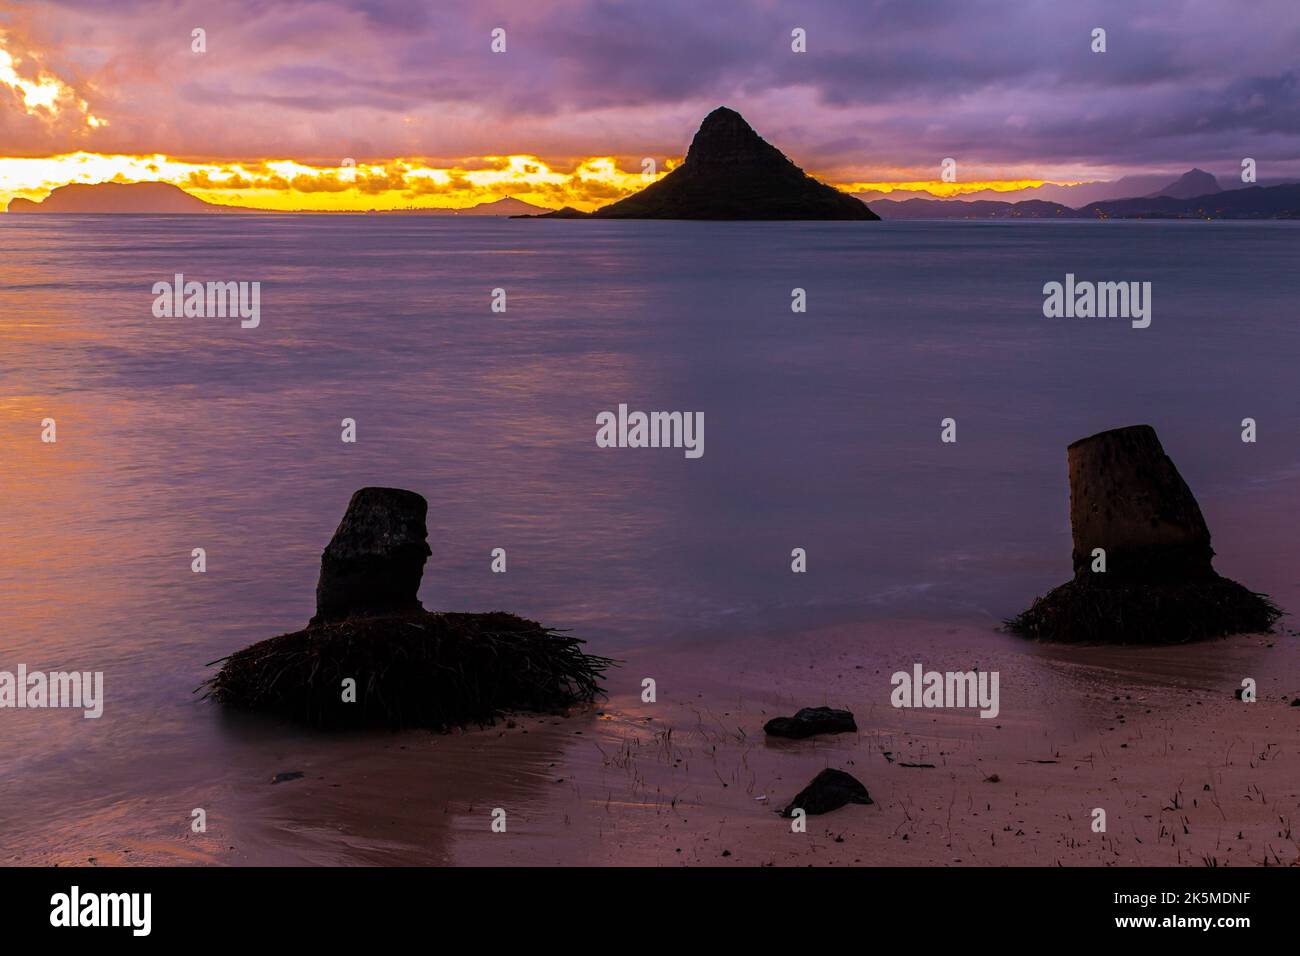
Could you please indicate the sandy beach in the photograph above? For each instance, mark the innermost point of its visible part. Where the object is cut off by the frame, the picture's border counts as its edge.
(1187, 774)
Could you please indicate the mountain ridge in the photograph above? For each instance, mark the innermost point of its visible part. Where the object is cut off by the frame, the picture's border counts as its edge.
(1251, 202)
(1190, 185)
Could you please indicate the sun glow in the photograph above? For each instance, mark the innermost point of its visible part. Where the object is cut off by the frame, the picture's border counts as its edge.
(285, 184)
(943, 190)
(45, 96)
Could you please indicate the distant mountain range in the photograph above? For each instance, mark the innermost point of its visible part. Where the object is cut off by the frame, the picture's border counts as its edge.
(1194, 183)
(1194, 195)
(164, 199)
(730, 172)
(1075, 195)
(509, 206)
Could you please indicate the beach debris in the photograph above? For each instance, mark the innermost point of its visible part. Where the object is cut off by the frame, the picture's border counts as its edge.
(1141, 555)
(829, 790)
(810, 721)
(373, 656)
(287, 775)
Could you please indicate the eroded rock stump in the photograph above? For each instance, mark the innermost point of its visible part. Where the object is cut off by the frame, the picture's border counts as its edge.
(373, 564)
(1154, 582)
(1127, 498)
(373, 655)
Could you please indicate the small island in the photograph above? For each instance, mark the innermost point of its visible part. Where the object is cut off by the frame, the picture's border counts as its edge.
(730, 172)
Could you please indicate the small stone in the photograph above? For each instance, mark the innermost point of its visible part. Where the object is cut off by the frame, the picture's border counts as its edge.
(810, 721)
(829, 790)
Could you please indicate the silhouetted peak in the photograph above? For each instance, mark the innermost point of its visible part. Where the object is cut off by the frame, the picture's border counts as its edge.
(730, 172)
(725, 139)
(1193, 183)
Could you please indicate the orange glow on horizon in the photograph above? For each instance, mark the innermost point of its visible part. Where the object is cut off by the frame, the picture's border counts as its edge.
(943, 190)
(286, 185)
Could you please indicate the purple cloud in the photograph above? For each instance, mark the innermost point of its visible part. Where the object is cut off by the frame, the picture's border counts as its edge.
(885, 86)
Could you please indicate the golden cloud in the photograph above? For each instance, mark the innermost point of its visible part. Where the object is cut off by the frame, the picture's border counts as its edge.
(43, 95)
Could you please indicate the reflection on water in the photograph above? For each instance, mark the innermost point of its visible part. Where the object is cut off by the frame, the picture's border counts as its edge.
(823, 433)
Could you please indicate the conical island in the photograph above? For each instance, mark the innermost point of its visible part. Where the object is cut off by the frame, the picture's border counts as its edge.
(731, 172)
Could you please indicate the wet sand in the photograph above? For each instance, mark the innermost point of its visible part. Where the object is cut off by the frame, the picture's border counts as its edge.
(1187, 774)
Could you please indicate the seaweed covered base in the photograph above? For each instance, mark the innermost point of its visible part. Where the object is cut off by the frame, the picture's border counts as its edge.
(1166, 612)
(418, 669)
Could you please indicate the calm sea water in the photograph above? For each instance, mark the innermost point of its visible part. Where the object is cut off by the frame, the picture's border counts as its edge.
(822, 432)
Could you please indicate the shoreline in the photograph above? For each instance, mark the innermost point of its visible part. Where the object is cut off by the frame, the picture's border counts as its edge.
(1153, 736)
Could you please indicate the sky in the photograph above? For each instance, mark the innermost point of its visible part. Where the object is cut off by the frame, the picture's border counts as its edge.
(355, 104)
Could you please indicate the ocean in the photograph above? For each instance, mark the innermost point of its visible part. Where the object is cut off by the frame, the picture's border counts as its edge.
(822, 432)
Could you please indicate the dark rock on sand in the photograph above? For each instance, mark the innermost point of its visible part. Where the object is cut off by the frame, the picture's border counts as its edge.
(1128, 499)
(810, 721)
(373, 655)
(288, 775)
(374, 562)
(829, 790)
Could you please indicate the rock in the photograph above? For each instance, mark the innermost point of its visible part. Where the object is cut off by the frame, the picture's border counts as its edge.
(287, 775)
(1159, 585)
(1127, 497)
(407, 667)
(809, 721)
(829, 790)
(730, 172)
(373, 564)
